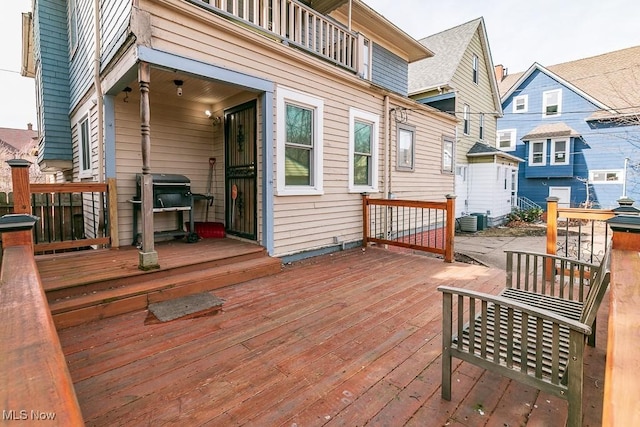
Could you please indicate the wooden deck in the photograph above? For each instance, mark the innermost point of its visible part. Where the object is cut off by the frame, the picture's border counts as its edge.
(348, 339)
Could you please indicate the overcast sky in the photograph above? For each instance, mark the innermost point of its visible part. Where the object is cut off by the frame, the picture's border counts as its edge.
(520, 33)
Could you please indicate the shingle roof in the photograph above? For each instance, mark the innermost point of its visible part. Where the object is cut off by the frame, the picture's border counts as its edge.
(480, 149)
(612, 78)
(20, 139)
(550, 130)
(448, 47)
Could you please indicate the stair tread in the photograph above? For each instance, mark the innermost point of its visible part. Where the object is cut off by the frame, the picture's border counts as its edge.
(151, 284)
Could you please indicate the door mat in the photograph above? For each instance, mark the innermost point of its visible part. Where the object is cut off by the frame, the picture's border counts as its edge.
(187, 307)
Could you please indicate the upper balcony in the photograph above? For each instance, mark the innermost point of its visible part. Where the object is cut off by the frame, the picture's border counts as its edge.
(299, 24)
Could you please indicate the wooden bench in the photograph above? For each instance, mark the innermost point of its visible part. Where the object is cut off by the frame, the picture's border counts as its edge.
(535, 331)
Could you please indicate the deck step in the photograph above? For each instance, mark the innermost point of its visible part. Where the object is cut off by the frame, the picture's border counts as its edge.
(121, 298)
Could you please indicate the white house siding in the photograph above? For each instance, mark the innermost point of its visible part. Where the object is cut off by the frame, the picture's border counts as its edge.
(486, 178)
(301, 222)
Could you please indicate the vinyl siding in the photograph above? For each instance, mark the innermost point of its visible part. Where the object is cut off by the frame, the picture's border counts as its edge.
(302, 223)
(52, 78)
(389, 70)
(114, 15)
(81, 60)
(487, 185)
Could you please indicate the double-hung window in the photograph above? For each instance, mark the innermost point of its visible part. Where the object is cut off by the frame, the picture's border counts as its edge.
(506, 139)
(521, 104)
(537, 153)
(552, 103)
(559, 152)
(447, 155)
(299, 149)
(406, 147)
(84, 149)
(363, 151)
(481, 127)
(474, 69)
(466, 119)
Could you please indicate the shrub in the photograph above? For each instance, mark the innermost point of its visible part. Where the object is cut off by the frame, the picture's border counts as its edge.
(525, 215)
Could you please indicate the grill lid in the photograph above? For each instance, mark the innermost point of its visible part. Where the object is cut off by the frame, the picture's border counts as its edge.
(165, 179)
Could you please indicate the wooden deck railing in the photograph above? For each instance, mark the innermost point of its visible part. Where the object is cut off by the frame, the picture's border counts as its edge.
(581, 234)
(296, 23)
(35, 385)
(622, 376)
(72, 215)
(412, 224)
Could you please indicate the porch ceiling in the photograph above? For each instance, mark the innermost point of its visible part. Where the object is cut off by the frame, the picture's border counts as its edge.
(194, 88)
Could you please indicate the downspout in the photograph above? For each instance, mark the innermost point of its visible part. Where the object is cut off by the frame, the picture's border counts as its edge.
(387, 148)
(99, 94)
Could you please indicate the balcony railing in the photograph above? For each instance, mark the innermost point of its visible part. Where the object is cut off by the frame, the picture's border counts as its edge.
(295, 23)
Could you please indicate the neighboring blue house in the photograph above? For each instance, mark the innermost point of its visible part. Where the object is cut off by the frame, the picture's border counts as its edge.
(577, 127)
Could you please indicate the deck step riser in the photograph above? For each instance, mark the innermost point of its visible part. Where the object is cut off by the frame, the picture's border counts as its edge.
(103, 285)
(65, 314)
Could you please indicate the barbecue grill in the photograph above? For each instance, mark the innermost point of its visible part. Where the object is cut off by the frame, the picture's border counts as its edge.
(171, 193)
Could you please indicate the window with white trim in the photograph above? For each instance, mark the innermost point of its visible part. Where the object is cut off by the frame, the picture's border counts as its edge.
(84, 148)
(299, 143)
(363, 151)
(73, 26)
(447, 155)
(613, 176)
(481, 127)
(537, 153)
(552, 103)
(466, 118)
(366, 59)
(506, 139)
(406, 147)
(521, 104)
(474, 69)
(560, 152)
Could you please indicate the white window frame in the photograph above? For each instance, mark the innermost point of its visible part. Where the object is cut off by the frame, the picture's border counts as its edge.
(618, 172)
(411, 129)
(84, 147)
(291, 96)
(544, 152)
(546, 104)
(448, 167)
(525, 104)
(73, 27)
(481, 127)
(552, 159)
(466, 119)
(374, 120)
(475, 74)
(512, 139)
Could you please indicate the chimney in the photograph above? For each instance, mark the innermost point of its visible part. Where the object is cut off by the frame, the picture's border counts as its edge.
(29, 126)
(501, 72)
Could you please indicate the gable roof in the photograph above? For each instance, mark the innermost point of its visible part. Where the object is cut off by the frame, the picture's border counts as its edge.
(611, 80)
(18, 140)
(449, 47)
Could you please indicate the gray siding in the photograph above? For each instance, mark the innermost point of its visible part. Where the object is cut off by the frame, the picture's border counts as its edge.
(81, 63)
(389, 70)
(52, 74)
(115, 15)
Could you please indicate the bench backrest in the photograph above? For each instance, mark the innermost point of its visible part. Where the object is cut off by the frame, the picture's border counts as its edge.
(597, 288)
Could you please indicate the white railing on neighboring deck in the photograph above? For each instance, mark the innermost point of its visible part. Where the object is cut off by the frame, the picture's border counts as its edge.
(299, 25)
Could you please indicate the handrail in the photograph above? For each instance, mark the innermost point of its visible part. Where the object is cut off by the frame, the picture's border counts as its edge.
(411, 224)
(36, 384)
(296, 23)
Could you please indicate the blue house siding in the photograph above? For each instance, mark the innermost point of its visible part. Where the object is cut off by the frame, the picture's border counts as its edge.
(52, 73)
(599, 147)
(81, 63)
(115, 16)
(389, 70)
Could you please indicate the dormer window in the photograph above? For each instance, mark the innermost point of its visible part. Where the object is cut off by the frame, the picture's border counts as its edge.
(552, 103)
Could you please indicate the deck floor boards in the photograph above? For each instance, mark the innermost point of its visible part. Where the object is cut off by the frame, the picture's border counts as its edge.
(347, 339)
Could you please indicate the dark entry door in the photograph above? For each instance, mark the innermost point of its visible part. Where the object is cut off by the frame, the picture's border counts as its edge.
(240, 170)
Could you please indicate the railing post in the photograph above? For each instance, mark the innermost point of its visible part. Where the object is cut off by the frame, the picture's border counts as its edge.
(365, 219)
(21, 202)
(450, 230)
(113, 212)
(552, 234)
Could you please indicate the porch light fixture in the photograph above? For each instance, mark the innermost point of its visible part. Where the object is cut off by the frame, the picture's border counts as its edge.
(178, 84)
(216, 120)
(127, 90)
